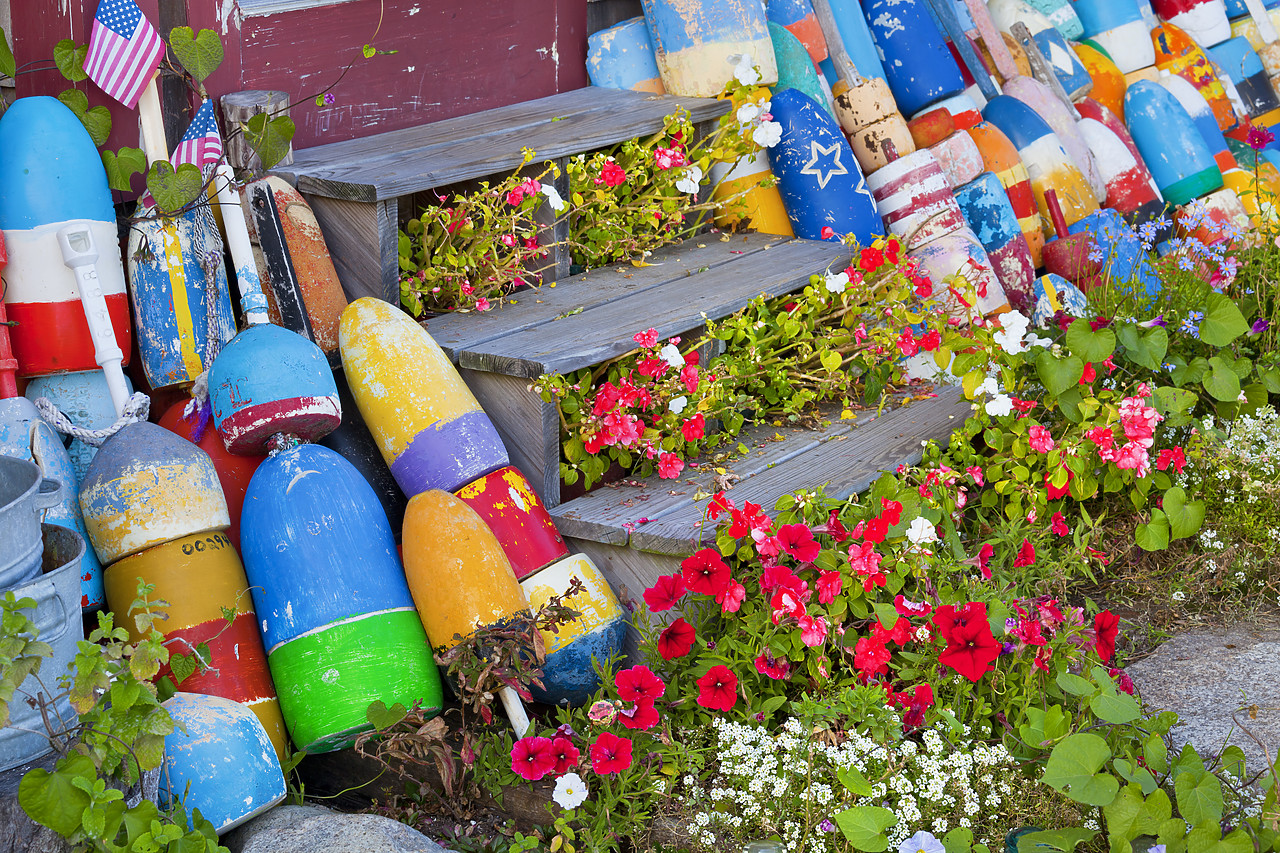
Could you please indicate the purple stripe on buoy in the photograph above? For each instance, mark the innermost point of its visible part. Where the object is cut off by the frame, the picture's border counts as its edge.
(449, 454)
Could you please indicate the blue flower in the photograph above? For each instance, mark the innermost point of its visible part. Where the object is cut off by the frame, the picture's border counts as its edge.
(1191, 328)
(1185, 264)
(1196, 316)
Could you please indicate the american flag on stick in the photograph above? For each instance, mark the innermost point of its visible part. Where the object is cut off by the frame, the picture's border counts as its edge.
(201, 145)
(124, 51)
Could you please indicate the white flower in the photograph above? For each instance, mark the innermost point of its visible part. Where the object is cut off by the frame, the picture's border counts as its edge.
(989, 386)
(767, 135)
(922, 531)
(677, 404)
(749, 112)
(921, 842)
(836, 283)
(570, 791)
(1034, 340)
(744, 69)
(553, 197)
(999, 405)
(690, 180)
(671, 355)
(1179, 595)
(1013, 326)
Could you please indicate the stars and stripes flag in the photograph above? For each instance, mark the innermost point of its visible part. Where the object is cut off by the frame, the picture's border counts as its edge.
(124, 51)
(201, 145)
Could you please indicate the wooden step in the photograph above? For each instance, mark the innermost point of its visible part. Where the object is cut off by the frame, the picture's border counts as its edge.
(591, 318)
(636, 531)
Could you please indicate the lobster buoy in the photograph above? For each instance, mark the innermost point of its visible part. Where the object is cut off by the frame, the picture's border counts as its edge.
(1108, 82)
(1064, 16)
(931, 127)
(1038, 97)
(1246, 27)
(1220, 217)
(959, 157)
(871, 121)
(621, 57)
(915, 199)
(692, 44)
(798, 17)
(1152, 212)
(818, 176)
(795, 69)
(858, 43)
(918, 66)
(83, 396)
(336, 616)
(988, 213)
(1178, 54)
(761, 206)
(506, 502)
(1130, 188)
(1125, 261)
(1205, 21)
(960, 253)
(51, 176)
(1243, 67)
(202, 579)
(427, 423)
(1062, 59)
(964, 111)
(1000, 157)
(1172, 148)
(1202, 116)
(1118, 29)
(1055, 294)
(218, 759)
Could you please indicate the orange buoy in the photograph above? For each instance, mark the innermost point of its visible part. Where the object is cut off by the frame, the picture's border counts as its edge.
(1178, 54)
(1108, 83)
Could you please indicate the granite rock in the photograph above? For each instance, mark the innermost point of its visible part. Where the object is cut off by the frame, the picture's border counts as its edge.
(313, 829)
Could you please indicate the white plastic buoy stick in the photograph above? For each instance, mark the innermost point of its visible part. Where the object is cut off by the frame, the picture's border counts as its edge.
(253, 302)
(515, 710)
(845, 69)
(1266, 29)
(152, 123)
(81, 255)
(955, 31)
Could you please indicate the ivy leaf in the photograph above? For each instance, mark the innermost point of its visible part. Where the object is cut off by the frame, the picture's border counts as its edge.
(1058, 374)
(854, 781)
(1199, 797)
(1184, 518)
(1117, 709)
(96, 121)
(368, 50)
(1044, 726)
(1147, 349)
(1090, 345)
(1073, 768)
(383, 717)
(8, 66)
(1223, 322)
(269, 138)
(122, 165)
(69, 57)
(1172, 402)
(1065, 840)
(864, 826)
(52, 800)
(182, 667)
(1154, 535)
(199, 54)
(1221, 380)
(174, 189)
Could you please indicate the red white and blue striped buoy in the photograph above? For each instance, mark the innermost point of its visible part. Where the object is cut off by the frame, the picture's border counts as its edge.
(959, 157)
(621, 57)
(915, 199)
(1131, 190)
(917, 63)
(1203, 20)
(1198, 108)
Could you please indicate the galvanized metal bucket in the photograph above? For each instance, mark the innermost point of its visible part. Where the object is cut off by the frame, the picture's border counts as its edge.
(24, 495)
(58, 622)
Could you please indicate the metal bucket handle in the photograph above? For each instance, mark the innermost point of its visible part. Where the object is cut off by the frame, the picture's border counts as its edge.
(49, 494)
(43, 590)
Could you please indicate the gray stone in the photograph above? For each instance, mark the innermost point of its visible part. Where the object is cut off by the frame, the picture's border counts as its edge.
(313, 829)
(19, 833)
(1209, 675)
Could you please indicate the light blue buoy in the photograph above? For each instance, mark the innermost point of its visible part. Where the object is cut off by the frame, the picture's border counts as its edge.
(990, 215)
(819, 179)
(1171, 146)
(693, 42)
(219, 760)
(795, 69)
(1202, 116)
(917, 64)
(621, 57)
(1237, 8)
(1237, 58)
(84, 398)
(858, 43)
(1124, 260)
(1062, 15)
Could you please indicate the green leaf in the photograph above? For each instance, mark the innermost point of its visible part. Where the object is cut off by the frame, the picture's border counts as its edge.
(1146, 349)
(200, 54)
(174, 189)
(383, 717)
(1074, 684)
(854, 781)
(1223, 322)
(8, 66)
(1091, 346)
(1221, 380)
(182, 667)
(1130, 814)
(69, 57)
(1073, 768)
(1156, 753)
(1045, 725)
(52, 799)
(1065, 840)
(831, 360)
(1058, 374)
(122, 165)
(1185, 518)
(269, 138)
(96, 121)
(958, 840)
(1199, 797)
(1154, 535)
(368, 50)
(864, 826)
(1118, 709)
(1171, 401)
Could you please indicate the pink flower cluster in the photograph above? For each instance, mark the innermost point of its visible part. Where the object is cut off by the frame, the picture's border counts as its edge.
(1138, 424)
(669, 158)
(527, 188)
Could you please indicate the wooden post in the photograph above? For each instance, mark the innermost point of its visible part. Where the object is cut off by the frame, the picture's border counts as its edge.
(239, 107)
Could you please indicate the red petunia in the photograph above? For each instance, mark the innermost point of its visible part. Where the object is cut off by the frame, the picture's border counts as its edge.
(706, 573)
(610, 754)
(781, 577)
(891, 511)
(829, 586)
(533, 757)
(916, 704)
(1059, 524)
(1107, 626)
(642, 717)
(775, 668)
(1026, 555)
(566, 755)
(901, 632)
(984, 559)
(798, 541)
(731, 599)
(871, 656)
(664, 594)
(971, 650)
(694, 428)
(638, 683)
(930, 340)
(948, 619)
(907, 607)
(718, 689)
(676, 640)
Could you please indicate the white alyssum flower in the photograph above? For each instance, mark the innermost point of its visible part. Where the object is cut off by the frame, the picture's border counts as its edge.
(767, 135)
(922, 531)
(690, 180)
(677, 404)
(570, 791)
(837, 282)
(671, 355)
(553, 197)
(744, 70)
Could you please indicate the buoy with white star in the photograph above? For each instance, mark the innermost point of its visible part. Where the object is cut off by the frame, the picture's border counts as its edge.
(820, 181)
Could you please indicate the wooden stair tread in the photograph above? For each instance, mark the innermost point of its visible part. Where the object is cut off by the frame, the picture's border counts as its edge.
(846, 456)
(604, 331)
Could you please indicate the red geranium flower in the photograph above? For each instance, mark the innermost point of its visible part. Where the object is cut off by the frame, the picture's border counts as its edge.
(718, 689)
(1107, 626)
(984, 559)
(642, 718)
(829, 586)
(775, 668)
(676, 641)
(916, 704)
(611, 174)
(871, 656)
(694, 428)
(1026, 555)
(901, 632)
(638, 683)
(566, 755)
(1175, 457)
(798, 541)
(706, 573)
(664, 594)
(891, 511)
(533, 757)
(971, 650)
(610, 754)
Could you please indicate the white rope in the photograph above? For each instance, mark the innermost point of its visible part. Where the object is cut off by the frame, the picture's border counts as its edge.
(136, 410)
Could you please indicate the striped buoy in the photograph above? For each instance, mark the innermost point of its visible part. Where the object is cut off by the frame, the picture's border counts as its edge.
(1178, 54)
(798, 17)
(1108, 83)
(506, 502)
(621, 57)
(737, 189)
(988, 213)
(1130, 188)
(960, 253)
(915, 199)
(693, 43)
(917, 63)
(1205, 21)
(1202, 116)
(1061, 58)
(1000, 157)
(1247, 28)
(335, 613)
(1041, 99)
(1118, 29)
(1242, 65)
(1172, 148)
(1062, 14)
(870, 119)
(427, 423)
(959, 157)
(965, 112)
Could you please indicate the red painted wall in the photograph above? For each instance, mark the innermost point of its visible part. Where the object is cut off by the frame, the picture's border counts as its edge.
(452, 57)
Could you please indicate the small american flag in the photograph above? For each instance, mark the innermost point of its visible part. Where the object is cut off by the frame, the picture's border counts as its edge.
(200, 145)
(124, 51)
